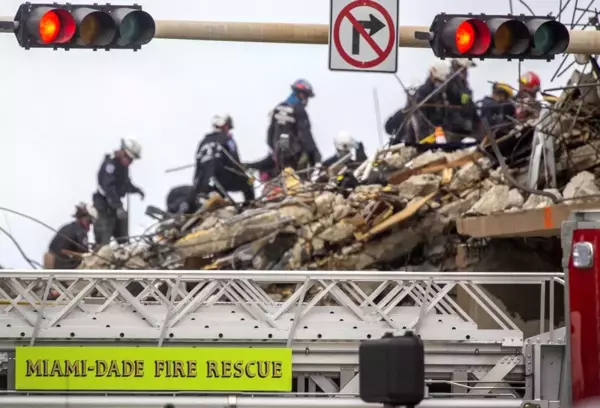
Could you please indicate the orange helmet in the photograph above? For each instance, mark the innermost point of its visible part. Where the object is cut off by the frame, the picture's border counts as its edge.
(530, 82)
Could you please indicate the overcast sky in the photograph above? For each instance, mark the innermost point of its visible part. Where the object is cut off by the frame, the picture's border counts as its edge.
(62, 111)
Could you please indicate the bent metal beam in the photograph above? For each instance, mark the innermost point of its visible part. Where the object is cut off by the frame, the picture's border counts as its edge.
(582, 42)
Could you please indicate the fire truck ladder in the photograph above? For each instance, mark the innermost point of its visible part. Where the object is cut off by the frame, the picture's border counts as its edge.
(321, 315)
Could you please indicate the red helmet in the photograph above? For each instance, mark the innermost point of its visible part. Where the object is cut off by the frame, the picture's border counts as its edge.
(530, 82)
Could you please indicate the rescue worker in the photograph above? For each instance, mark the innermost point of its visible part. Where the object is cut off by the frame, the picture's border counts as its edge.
(180, 200)
(218, 163)
(71, 239)
(289, 136)
(528, 107)
(409, 125)
(113, 184)
(344, 143)
(465, 120)
(434, 112)
(498, 109)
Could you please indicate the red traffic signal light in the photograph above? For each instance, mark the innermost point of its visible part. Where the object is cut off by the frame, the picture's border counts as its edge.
(53, 25)
(507, 37)
(83, 26)
(470, 36)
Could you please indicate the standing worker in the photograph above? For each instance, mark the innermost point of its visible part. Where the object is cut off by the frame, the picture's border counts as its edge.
(465, 120)
(114, 184)
(70, 240)
(528, 107)
(289, 136)
(434, 109)
(218, 163)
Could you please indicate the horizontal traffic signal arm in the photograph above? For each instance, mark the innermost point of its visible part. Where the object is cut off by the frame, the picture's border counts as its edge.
(497, 36)
(88, 26)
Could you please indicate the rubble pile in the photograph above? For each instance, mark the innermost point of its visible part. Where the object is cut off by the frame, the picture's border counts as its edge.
(574, 125)
(402, 213)
(321, 226)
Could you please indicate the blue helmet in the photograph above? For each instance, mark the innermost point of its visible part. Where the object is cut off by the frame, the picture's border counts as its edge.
(302, 85)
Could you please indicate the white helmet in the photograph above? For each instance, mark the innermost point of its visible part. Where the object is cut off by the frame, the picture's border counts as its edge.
(463, 63)
(219, 121)
(92, 211)
(343, 141)
(440, 70)
(132, 148)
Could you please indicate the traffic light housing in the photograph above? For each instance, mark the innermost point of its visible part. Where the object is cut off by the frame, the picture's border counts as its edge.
(72, 26)
(497, 37)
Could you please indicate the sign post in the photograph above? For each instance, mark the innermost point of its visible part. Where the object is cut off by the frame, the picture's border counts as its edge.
(364, 35)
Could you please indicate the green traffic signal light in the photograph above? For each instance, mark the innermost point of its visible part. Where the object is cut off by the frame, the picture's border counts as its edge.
(549, 37)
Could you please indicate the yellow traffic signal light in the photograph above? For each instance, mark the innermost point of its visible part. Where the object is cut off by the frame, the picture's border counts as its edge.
(497, 37)
(94, 26)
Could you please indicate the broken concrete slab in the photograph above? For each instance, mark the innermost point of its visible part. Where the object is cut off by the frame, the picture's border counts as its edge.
(583, 184)
(539, 201)
(493, 201)
(419, 185)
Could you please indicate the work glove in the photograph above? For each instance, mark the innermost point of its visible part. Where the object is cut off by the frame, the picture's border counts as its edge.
(121, 214)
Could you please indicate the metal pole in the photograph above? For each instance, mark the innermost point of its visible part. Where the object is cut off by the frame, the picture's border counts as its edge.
(265, 32)
(147, 401)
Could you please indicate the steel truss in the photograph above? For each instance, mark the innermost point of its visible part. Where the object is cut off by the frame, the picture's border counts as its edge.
(323, 320)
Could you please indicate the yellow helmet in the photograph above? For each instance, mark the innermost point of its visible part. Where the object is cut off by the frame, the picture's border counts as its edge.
(501, 86)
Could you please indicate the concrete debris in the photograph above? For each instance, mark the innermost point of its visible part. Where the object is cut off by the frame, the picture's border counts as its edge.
(539, 201)
(583, 184)
(419, 185)
(493, 201)
(384, 225)
(515, 199)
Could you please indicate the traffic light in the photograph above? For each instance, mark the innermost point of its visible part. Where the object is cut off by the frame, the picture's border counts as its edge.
(70, 26)
(497, 37)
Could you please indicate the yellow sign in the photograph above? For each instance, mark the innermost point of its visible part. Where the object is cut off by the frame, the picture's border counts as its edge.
(156, 369)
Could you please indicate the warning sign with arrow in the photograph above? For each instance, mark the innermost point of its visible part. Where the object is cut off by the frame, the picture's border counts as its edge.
(364, 35)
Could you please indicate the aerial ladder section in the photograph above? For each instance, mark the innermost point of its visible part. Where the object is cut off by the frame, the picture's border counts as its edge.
(322, 316)
(322, 319)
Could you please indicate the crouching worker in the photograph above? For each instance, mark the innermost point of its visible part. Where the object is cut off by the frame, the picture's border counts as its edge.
(70, 242)
(217, 163)
(344, 145)
(180, 200)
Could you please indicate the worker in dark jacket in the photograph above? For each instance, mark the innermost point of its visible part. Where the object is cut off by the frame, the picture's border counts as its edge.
(344, 143)
(465, 121)
(289, 135)
(180, 200)
(433, 97)
(498, 110)
(70, 240)
(114, 184)
(218, 163)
